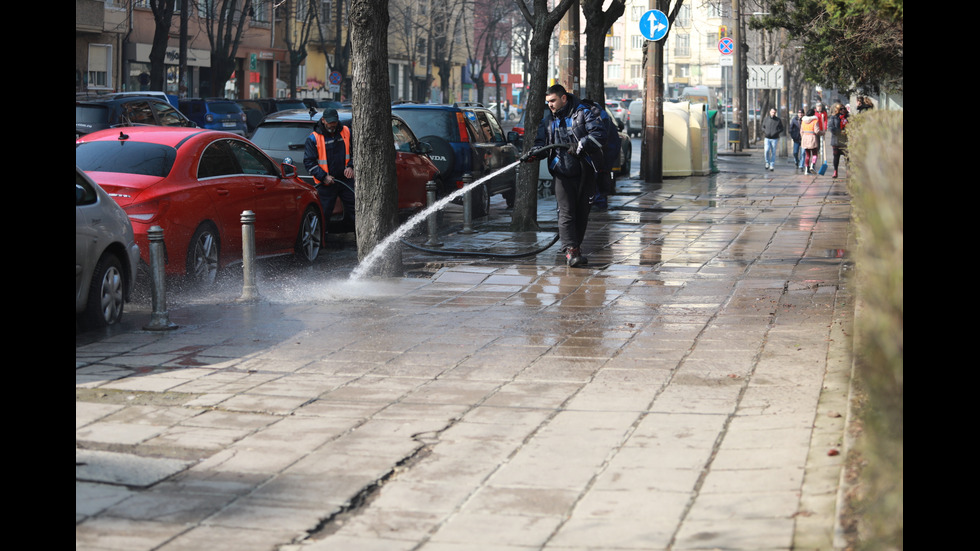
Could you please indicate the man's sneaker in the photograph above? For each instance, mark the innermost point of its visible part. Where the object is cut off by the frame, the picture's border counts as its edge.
(575, 258)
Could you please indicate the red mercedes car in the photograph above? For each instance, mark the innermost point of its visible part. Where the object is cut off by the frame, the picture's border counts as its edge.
(195, 184)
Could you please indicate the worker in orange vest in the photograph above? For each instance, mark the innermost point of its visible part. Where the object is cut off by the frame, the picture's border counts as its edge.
(328, 160)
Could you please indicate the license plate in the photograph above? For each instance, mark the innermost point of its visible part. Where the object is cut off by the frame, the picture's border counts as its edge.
(228, 124)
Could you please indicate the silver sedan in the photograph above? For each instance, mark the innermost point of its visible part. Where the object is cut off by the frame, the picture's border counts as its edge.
(106, 255)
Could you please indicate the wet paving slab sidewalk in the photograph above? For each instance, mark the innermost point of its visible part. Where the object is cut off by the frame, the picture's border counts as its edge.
(686, 390)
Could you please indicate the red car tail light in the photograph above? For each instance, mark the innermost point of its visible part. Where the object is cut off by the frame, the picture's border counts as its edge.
(463, 134)
(147, 212)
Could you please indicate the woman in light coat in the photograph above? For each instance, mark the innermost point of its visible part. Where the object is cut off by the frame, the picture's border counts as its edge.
(810, 131)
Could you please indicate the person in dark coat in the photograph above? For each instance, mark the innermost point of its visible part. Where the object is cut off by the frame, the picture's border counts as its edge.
(328, 158)
(794, 133)
(574, 168)
(772, 128)
(837, 125)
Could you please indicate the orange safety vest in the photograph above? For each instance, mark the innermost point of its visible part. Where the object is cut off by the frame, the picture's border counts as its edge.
(810, 127)
(321, 149)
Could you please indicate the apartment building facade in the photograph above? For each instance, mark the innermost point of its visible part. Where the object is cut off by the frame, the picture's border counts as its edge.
(113, 39)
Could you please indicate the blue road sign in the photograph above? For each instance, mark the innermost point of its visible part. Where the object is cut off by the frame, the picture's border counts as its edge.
(654, 25)
(726, 46)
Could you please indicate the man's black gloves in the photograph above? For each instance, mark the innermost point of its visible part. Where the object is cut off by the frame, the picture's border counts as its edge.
(531, 156)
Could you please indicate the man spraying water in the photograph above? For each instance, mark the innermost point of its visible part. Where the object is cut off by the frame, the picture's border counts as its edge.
(574, 168)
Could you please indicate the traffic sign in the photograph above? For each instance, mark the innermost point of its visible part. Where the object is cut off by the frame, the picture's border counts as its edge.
(726, 46)
(654, 25)
(764, 77)
(336, 77)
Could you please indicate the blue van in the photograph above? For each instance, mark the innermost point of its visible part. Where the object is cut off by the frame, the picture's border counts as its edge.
(215, 114)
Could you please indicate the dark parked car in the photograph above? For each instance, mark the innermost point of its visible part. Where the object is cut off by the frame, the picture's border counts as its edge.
(619, 111)
(325, 103)
(257, 109)
(215, 114)
(283, 135)
(98, 114)
(465, 138)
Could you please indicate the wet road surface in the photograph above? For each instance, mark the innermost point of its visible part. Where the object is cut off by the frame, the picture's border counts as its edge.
(686, 390)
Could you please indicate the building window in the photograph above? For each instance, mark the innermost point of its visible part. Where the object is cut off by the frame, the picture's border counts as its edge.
(636, 12)
(99, 66)
(259, 9)
(711, 41)
(636, 70)
(684, 16)
(682, 45)
(614, 71)
(636, 41)
(683, 71)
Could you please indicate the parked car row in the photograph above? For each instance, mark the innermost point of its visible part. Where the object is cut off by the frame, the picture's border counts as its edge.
(195, 183)
(283, 135)
(465, 138)
(99, 113)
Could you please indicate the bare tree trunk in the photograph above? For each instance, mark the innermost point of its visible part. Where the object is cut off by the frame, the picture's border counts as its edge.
(374, 150)
(651, 156)
(597, 24)
(543, 22)
(163, 11)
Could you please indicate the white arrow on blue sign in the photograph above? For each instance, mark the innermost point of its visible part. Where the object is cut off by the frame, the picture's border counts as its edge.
(654, 25)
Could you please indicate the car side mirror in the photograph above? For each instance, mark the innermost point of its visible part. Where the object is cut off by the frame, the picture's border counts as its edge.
(424, 148)
(515, 138)
(286, 170)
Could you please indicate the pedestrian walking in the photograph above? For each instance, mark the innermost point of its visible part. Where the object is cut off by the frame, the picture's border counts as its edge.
(837, 125)
(328, 158)
(772, 128)
(574, 169)
(864, 104)
(794, 133)
(810, 140)
(821, 113)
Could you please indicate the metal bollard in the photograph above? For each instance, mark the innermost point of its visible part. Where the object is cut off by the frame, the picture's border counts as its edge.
(159, 318)
(249, 290)
(430, 198)
(467, 206)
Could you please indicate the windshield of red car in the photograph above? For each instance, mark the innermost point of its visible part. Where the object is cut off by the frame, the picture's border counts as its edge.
(149, 159)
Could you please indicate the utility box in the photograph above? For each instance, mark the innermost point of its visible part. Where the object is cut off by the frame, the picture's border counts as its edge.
(687, 139)
(700, 139)
(677, 140)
